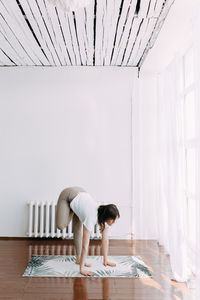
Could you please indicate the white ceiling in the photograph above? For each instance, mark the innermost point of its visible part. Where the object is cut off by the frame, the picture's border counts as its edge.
(107, 32)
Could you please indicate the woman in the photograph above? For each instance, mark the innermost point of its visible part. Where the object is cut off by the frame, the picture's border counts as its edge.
(77, 203)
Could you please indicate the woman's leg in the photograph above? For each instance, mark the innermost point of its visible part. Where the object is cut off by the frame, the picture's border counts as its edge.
(78, 233)
(64, 213)
(78, 236)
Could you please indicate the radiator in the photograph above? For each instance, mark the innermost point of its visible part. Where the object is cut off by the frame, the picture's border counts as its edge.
(42, 222)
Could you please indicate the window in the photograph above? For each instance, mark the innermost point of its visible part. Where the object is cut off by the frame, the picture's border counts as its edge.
(187, 90)
(190, 131)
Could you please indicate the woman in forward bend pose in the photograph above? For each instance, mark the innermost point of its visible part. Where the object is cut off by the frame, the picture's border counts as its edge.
(76, 203)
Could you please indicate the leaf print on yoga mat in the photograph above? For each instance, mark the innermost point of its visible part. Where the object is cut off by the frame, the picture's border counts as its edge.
(142, 269)
(65, 266)
(35, 262)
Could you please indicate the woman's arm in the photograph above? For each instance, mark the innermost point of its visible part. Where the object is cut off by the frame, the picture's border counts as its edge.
(105, 245)
(84, 251)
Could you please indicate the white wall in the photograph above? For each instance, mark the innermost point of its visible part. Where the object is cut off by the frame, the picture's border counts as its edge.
(61, 127)
(144, 156)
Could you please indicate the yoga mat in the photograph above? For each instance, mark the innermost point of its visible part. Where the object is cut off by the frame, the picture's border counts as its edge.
(64, 266)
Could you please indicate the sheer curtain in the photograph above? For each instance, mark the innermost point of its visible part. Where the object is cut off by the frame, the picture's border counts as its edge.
(197, 75)
(178, 170)
(166, 198)
(171, 220)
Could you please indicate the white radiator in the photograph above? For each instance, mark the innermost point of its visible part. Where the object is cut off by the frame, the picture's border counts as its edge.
(42, 222)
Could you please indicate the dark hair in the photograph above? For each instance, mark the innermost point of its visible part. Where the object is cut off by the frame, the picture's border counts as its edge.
(105, 212)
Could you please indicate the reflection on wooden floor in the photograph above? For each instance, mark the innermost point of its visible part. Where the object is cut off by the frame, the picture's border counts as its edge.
(15, 254)
(59, 250)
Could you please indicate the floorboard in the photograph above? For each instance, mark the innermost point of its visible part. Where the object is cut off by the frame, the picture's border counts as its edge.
(15, 254)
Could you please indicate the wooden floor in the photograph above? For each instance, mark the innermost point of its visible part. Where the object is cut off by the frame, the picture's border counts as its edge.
(15, 254)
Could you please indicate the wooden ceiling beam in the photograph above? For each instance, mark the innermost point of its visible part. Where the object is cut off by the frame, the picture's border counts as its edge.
(7, 46)
(16, 34)
(117, 32)
(51, 19)
(35, 30)
(127, 17)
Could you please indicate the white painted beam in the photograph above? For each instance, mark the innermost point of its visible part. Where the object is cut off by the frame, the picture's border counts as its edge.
(79, 20)
(16, 22)
(44, 30)
(49, 15)
(135, 29)
(111, 22)
(143, 39)
(43, 51)
(104, 33)
(124, 30)
(7, 47)
(100, 28)
(67, 37)
(74, 39)
(89, 18)
(14, 35)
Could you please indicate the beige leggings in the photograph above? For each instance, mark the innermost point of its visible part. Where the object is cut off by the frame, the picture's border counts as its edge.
(64, 215)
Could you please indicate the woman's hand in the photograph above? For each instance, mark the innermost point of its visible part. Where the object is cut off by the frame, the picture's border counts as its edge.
(86, 272)
(107, 263)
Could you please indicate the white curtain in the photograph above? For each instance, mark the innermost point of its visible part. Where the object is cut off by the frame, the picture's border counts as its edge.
(197, 75)
(171, 216)
(159, 165)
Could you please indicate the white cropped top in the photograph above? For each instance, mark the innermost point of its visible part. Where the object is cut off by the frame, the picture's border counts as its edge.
(86, 208)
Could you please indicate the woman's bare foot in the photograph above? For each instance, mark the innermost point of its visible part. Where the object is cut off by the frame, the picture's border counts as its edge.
(86, 264)
(86, 273)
